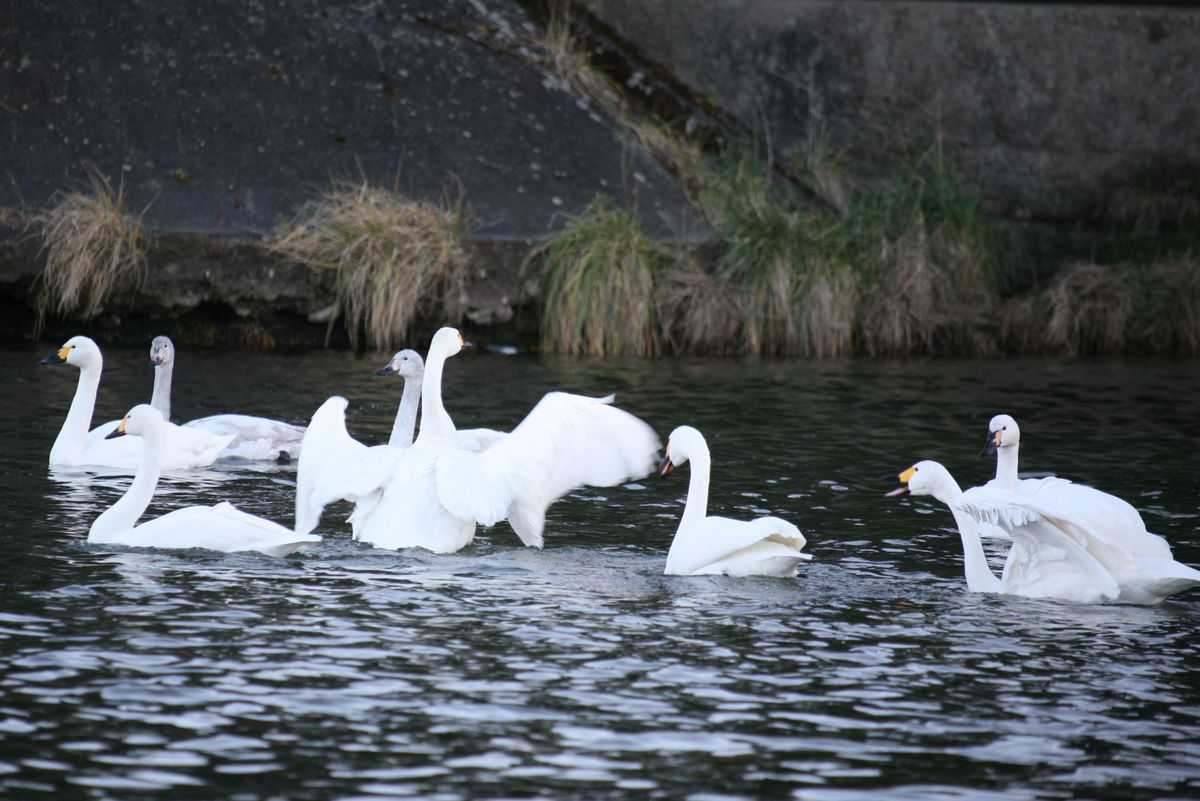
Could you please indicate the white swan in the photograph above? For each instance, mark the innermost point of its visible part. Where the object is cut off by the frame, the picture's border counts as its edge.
(440, 491)
(334, 466)
(1103, 514)
(339, 467)
(254, 438)
(76, 446)
(218, 528)
(706, 545)
(1051, 556)
(409, 365)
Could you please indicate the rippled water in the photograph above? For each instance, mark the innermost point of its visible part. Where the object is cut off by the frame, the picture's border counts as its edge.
(580, 671)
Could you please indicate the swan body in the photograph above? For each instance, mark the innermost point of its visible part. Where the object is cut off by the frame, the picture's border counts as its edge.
(252, 438)
(706, 545)
(340, 467)
(219, 528)
(440, 491)
(1052, 554)
(76, 446)
(1106, 515)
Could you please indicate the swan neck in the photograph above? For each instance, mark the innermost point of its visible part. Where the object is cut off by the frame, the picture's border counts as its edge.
(435, 421)
(161, 399)
(1006, 467)
(695, 509)
(406, 416)
(123, 515)
(980, 577)
(68, 446)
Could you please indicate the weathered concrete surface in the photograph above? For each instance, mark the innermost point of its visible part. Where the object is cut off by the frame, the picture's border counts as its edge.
(228, 290)
(1048, 106)
(224, 116)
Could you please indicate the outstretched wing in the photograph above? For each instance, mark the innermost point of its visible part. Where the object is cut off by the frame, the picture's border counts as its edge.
(335, 466)
(1012, 510)
(566, 441)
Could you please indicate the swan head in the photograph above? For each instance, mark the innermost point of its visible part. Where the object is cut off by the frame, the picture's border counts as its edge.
(142, 420)
(406, 363)
(1003, 432)
(684, 443)
(925, 478)
(78, 351)
(448, 341)
(162, 351)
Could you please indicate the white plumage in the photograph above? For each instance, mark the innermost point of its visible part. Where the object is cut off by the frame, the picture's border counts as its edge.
(219, 528)
(76, 446)
(704, 545)
(1055, 553)
(251, 438)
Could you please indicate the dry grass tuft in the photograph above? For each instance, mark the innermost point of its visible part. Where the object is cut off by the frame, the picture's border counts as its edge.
(93, 244)
(396, 258)
(1088, 309)
(564, 54)
(598, 277)
(1147, 210)
(1167, 307)
(698, 313)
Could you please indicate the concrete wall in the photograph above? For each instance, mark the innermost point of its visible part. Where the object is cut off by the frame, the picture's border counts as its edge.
(224, 115)
(1049, 106)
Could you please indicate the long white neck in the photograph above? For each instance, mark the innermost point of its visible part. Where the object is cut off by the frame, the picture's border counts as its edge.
(123, 515)
(695, 509)
(1006, 467)
(68, 447)
(161, 399)
(435, 421)
(406, 415)
(980, 577)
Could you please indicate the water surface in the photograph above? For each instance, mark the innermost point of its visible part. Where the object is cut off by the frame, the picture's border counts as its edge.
(580, 671)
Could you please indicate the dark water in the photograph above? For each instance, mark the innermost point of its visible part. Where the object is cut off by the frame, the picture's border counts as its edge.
(580, 671)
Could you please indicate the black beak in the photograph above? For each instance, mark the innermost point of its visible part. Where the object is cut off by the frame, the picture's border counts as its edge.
(466, 344)
(116, 432)
(388, 370)
(55, 359)
(667, 466)
(154, 363)
(989, 447)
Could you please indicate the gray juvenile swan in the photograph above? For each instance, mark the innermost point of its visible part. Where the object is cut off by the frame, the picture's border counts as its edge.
(254, 438)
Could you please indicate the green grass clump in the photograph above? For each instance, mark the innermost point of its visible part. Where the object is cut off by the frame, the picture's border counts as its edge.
(396, 258)
(598, 284)
(93, 244)
(931, 260)
(796, 295)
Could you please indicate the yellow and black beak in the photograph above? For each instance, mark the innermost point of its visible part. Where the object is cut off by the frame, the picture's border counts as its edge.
(667, 465)
(119, 431)
(904, 477)
(993, 442)
(58, 358)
